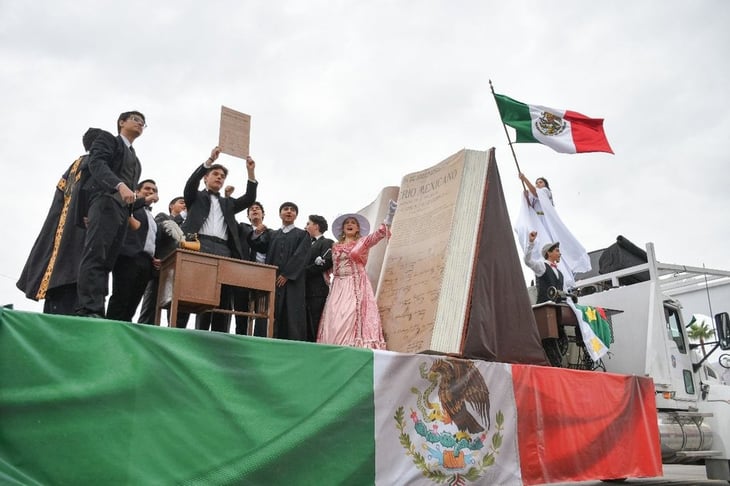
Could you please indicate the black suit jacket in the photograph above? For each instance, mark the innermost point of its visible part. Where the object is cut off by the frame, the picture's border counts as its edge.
(102, 173)
(245, 232)
(135, 240)
(316, 284)
(198, 206)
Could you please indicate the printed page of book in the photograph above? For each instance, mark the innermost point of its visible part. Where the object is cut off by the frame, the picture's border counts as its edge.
(411, 280)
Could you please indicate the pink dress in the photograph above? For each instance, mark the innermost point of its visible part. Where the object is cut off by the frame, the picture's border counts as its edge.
(350, 316)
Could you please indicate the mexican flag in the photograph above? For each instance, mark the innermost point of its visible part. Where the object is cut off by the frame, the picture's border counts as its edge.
(87, 401)
(564, 131)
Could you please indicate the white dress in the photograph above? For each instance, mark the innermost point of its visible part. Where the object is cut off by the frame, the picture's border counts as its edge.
(539, 214)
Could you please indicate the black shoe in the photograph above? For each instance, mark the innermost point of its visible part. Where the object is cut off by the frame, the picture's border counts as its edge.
(90, 314)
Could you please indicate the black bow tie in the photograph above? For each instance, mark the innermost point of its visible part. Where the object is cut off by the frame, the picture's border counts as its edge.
(214, 193)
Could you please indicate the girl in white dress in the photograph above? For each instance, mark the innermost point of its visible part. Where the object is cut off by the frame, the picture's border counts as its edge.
(538, 214)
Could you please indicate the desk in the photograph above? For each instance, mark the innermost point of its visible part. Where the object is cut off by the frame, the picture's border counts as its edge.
(190, 281)
(550, 315)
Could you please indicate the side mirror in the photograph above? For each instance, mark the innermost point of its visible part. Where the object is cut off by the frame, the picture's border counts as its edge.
(722, 325)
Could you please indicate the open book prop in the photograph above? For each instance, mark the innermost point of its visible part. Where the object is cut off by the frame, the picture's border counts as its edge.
(451, 280)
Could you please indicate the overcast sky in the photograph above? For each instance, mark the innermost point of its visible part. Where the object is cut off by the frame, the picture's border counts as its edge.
(347, 97)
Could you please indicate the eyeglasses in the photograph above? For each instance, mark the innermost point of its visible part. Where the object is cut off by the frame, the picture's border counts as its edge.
(137, 119)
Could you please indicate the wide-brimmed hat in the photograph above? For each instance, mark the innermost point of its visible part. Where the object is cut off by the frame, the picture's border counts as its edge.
(548, 247)
(361, 220)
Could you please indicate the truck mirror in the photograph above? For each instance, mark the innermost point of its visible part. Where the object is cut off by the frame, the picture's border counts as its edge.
(722, 324)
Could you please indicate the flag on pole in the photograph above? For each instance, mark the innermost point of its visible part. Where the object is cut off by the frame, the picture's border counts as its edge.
(564, 131)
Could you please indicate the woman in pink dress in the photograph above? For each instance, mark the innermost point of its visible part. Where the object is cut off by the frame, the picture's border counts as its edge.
(350, 316)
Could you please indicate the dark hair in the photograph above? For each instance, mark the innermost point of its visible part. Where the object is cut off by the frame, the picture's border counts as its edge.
(290, 204)
(319, 221)
(89, 137)
(216, 166)
(547, 184)
(255, 203)
(174, 200)
(126, 115)
(142, 183)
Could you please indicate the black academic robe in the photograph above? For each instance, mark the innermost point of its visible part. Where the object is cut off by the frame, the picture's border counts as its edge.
(53, 261)
(289, 252)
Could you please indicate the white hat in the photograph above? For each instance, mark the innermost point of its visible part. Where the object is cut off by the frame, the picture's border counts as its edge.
(547, 247)
(361, 220)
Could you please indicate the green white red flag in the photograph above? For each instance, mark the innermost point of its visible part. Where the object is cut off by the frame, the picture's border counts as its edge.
(594, 329)
(564, 131)
(86, 401)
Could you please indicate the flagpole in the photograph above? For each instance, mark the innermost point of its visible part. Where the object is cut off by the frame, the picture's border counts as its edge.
(509, 141)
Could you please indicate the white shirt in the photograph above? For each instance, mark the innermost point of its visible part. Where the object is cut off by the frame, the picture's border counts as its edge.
(286, 229)
(214, 224)
(149, 243)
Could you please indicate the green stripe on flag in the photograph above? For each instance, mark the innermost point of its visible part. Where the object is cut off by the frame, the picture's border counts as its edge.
(517, 116)
(599, 325)
(87, 401)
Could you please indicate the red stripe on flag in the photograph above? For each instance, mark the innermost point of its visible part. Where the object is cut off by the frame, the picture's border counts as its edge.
(588, 134)
(582, 425)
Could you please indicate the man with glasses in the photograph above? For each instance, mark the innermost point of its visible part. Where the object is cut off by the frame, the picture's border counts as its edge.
(114, 170)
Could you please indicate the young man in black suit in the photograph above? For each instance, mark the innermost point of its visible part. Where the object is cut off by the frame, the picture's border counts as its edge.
(168, 234)
(212, 217)
(258, 237)
(114, 169)
(136, 262)
(319, 262)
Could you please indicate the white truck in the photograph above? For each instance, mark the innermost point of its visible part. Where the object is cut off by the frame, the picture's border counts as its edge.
(650, 339)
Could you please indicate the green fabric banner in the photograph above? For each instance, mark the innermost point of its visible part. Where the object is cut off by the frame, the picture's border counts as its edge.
(86, 401)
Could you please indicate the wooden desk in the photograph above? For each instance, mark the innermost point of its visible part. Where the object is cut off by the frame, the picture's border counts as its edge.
(190, 281)
(549, 315)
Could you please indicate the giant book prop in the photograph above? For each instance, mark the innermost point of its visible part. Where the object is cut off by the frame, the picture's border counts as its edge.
(451, 281)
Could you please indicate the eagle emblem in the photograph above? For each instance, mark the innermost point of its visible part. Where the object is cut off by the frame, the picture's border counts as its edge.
(461, 383)
(550, 124)
(451, 436)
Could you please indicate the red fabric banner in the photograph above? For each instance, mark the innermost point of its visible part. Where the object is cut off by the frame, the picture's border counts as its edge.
(607, 429)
